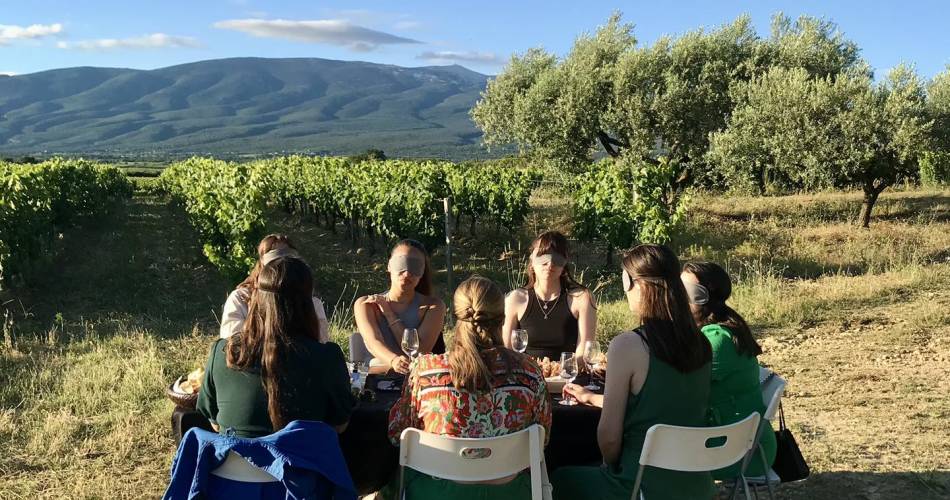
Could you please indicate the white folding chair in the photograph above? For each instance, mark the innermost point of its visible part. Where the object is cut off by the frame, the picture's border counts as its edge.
(237, 468)
(773, 388)
(474, 460)
(685, 448)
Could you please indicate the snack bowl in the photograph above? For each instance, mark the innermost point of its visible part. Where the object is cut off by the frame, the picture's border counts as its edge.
(555, 384)
(181, 399)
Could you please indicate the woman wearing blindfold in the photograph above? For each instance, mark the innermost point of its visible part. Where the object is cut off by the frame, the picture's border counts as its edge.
(558, 312)
(735, 391)
(658, 373)
(382, 318)
(273, 246)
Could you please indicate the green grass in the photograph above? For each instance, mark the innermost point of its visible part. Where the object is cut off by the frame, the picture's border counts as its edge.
(858, 321)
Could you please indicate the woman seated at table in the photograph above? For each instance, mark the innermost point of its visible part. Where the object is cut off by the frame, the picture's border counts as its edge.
(235, 308)
(657, 374)
(275, 370)
(558, 313)
(735, 391)
(382, 318)
(479, 389)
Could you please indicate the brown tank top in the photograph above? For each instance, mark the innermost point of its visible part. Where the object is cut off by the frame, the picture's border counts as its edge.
(549, 336)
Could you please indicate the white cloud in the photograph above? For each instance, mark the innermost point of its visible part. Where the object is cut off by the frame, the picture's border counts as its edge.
(407, 25)
(9, 32)
(328, 31)
(453, 56)
(8, 73)
(153, 41)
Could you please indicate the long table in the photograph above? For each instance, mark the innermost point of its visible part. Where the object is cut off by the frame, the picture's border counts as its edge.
(373, 460)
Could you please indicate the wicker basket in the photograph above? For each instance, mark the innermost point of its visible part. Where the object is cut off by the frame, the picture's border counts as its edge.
(181, 399)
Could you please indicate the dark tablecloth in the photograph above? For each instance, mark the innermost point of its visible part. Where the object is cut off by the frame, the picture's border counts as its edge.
(373, 460)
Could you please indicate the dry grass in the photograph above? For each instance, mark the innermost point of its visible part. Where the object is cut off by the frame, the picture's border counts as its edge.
(858, 321)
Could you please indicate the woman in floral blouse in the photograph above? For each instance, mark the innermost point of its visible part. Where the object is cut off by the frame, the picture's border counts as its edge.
(479, 389)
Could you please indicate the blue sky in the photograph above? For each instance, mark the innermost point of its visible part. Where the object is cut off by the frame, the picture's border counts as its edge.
(44, 34)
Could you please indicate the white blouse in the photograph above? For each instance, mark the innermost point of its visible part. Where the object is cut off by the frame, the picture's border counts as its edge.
(235, 312)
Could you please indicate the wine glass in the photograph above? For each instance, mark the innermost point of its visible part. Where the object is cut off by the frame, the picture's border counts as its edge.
(410, 342)
(360, 371)
(592, 355)
(568, 373)
(519, 340)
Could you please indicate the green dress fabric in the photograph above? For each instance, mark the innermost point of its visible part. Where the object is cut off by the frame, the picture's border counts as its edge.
(667, 397)
(317, 387)
(734, 395)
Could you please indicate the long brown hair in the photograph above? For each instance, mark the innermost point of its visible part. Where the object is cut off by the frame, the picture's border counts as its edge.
(664, 310)
(280, 315)
(425, 282)
(479, 307)
(552, 242)
(268, 243)
(716, 311)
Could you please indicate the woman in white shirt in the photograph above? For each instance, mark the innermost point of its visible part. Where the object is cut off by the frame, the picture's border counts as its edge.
(235, 308)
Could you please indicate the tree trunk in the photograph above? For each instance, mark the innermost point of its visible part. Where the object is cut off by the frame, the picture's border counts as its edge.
(609, 257)
(871, 193)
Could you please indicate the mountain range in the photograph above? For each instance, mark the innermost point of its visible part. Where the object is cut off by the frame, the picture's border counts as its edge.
(244, 106)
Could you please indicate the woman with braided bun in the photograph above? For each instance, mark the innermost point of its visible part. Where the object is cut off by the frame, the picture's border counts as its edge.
(479, 389)
(734, 392)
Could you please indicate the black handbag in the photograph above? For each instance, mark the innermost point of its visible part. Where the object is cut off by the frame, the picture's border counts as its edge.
(789, 463)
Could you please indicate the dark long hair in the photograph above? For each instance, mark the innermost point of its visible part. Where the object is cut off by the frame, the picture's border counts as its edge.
(664, 311)
(479, 307)
(268, 243)
(280, 315)
(552, 242)
(716, 311)
(425, 282)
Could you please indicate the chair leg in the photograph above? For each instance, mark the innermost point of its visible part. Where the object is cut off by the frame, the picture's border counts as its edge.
(765, 469)
(635, 495)
(402, 477)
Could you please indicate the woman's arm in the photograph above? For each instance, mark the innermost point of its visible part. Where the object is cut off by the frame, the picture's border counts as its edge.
(432, 324)
(324, 325)
(585, 311)
(365, 311)
(627, 362)
(513, 302)
(234, 313)
(207, 404)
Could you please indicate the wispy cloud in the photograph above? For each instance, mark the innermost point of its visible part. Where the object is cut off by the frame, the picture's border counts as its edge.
(8, 73)
(407, 24)
(328, 31)
(10, 32)
(153, 41)
(453, 56)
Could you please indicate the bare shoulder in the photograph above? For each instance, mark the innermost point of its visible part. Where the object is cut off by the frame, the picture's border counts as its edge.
(432, 303)
(629, 343)
(581, 296)
(517, 296)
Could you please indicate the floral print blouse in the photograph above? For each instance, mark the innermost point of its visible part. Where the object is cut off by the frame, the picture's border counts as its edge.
(518, 400)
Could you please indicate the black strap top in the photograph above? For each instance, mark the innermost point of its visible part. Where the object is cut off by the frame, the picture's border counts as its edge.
(551, 335)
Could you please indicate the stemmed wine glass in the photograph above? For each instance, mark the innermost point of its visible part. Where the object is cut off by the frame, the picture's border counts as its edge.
(410, 342)
(519, 340)
(592, 357)
(568, 373)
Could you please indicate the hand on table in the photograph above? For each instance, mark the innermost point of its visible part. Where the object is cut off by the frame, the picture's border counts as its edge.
(578, 392)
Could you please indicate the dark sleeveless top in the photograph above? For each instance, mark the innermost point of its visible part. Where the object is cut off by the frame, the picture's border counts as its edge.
(554, 335)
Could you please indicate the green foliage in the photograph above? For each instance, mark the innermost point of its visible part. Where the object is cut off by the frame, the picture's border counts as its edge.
(935, 168)
(225, 203)
(808, 133)
(492, 191)
(392, 199)
(627, 201)
(37, 200)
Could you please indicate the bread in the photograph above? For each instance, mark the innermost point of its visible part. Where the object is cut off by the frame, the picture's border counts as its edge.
(192, 382)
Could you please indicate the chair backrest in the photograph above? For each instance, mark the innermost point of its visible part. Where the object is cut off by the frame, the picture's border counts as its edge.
(237, 468)
(358, 350)
(685, 448)
(471, 459)
(773, 387)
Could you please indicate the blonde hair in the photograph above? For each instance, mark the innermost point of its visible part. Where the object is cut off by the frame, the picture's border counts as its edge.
(479, 307)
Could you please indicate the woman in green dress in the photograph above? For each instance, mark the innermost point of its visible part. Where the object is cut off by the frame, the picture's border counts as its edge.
(735, 391)
(656, 374)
